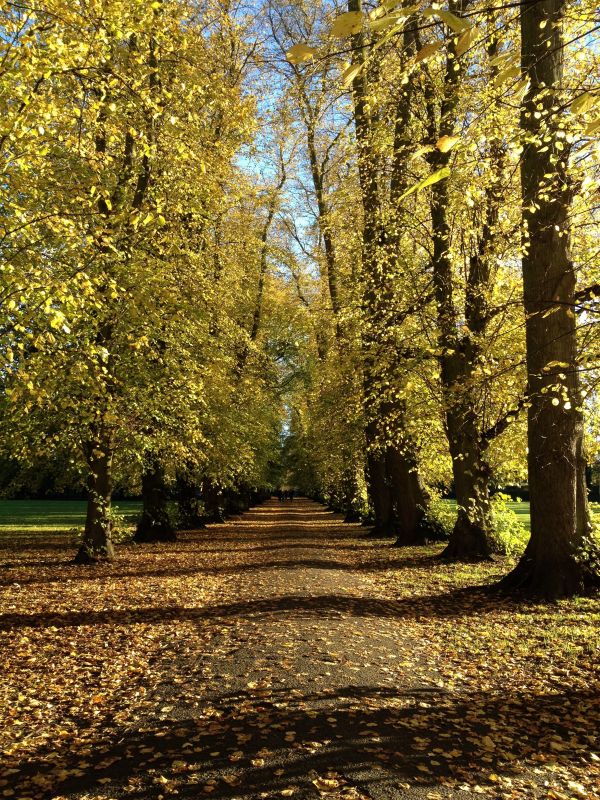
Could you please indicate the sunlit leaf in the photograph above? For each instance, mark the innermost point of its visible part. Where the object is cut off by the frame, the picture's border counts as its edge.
(446, 143)
(585, 102)
(299, 53)
(347, 24)
(428, 50)
(439, 175)
(465, 41)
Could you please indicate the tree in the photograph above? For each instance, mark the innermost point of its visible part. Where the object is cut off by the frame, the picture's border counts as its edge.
(560, 559)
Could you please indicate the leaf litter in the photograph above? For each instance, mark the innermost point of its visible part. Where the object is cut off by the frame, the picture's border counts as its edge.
(281, 655)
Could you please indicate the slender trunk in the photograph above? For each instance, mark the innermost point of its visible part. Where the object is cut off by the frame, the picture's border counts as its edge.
(154, 524)
(470, 537)
(237, 500)
(97, 538)
(584, 518)
(560, 560)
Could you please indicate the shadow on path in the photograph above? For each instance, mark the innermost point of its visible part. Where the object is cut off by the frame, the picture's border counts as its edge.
(422, 736)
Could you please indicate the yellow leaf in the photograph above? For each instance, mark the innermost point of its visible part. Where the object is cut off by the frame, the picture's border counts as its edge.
(428, 50)
(439, 175)
(457, 24)
(593, 127)
(385, 22)
(299, 53)
(421, 151)
(350, 73)
(347, 24)
(326, 785)
(465, 41)
(507, 74)
(446, 143)
(583, 103)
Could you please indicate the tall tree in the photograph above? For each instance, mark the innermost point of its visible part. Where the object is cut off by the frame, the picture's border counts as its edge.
(560, 559)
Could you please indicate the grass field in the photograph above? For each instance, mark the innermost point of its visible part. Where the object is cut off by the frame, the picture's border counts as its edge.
(33, 518)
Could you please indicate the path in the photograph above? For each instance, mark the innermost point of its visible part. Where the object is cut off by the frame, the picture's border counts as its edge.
(307, 687)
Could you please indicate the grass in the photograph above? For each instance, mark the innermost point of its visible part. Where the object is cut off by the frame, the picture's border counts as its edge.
(521, 509)
(52, 517)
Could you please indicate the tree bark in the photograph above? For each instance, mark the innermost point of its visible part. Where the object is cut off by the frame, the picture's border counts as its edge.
(213, 500)
(188, 504)
(154, 524)
(377, 486)
(470, 538)
(409, 499)
(97, 542)
(560, 559)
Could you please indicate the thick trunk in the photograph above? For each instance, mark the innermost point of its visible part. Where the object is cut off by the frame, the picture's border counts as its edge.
(378, 489)
(154, 524)
(409, 499)
(559, 560)
(213, 501)
(97, 538)
(188, 504)
(470, 538)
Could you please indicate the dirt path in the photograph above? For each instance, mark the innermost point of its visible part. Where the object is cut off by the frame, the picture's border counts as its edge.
(282, 655)
(309, 685)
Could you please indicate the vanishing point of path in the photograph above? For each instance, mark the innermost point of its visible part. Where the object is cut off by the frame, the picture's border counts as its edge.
(261, 658)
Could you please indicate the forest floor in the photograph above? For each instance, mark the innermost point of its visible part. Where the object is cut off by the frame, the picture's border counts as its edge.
(283, 655)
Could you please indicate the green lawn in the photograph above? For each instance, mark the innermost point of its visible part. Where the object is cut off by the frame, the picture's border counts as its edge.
(51, 517)
(522, 510)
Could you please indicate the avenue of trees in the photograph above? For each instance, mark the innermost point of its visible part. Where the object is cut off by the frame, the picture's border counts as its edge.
(353, 247)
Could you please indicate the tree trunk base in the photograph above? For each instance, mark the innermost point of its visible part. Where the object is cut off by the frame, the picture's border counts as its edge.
(191, 523)
(86, 558)
(546, 581)
(352, 516)
(387, 531)
(148, 532)
(427, 530)
(468, 542)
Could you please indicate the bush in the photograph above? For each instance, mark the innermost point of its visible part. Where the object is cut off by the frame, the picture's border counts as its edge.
(509, 536)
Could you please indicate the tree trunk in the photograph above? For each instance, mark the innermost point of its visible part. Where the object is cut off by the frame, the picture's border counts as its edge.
(378, 488)
(409, 499)
(97, 542)
(560, 560)
(188, 504)
(212, 498)
(470, 539)
(154, 524)
(350, 497)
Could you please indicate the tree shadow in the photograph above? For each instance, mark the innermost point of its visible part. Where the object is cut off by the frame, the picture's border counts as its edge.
(454, 604)
(247, 742)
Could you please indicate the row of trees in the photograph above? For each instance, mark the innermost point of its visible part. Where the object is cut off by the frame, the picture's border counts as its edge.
(371, 227)
(449, 156)
(136, 337)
